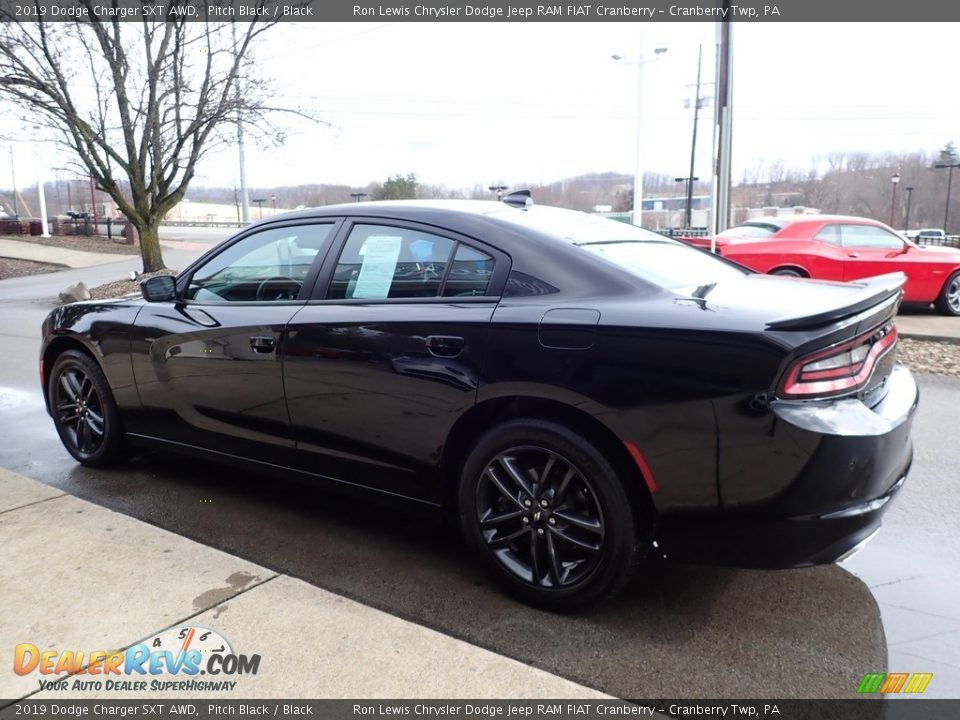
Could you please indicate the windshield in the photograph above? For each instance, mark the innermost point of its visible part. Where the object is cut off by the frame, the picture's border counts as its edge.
(648, 255)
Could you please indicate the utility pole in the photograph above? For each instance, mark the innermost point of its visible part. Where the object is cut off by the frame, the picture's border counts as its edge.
(723, 128)
(693, 145)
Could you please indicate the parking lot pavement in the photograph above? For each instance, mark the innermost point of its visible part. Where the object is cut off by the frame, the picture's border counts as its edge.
(913, 566)
(77, 576)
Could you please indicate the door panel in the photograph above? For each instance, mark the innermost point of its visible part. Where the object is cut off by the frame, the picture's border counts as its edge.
(373, 389)
(208, 376)
(208, 367)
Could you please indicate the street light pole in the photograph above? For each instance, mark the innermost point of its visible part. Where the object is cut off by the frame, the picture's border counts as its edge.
(693, 144)
(638, 170)
(946, 209)
(895, 179)
(906, 222)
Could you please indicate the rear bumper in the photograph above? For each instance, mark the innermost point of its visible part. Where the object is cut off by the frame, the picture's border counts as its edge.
(859, 461)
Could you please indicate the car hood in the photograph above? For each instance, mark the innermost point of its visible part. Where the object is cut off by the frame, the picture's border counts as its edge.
(933, 252)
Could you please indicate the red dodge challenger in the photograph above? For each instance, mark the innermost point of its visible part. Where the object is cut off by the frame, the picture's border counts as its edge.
(834, 247)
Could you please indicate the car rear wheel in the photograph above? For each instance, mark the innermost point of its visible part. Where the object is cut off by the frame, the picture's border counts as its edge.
(84, 411)
(548, 515)
(787, 272)
(949, 301)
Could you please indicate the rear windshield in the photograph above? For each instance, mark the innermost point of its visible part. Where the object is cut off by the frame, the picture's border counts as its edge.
(666, 263)
(652, 257)
(752, 230)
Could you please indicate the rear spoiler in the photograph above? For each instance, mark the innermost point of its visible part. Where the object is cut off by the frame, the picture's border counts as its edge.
(873, 291)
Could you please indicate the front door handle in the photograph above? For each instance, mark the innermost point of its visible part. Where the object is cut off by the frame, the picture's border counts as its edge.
(263, 343)
(853, 255)
(447, 346)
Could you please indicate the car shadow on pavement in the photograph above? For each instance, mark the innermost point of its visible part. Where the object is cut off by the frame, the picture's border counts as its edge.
(676, 631)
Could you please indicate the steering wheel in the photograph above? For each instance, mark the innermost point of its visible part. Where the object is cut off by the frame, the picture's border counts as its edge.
(278, 287)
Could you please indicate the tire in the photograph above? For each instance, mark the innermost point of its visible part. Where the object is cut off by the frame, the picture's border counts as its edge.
(84, 411)
(548, 515)
(787, 272)
(948, 302)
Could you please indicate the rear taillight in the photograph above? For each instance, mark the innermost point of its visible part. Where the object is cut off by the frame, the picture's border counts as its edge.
(841, 369)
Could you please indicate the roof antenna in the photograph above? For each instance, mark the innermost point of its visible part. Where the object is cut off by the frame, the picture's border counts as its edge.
(519, 199)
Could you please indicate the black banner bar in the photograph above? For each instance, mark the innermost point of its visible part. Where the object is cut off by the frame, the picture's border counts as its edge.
(643, 11)
(872, 709)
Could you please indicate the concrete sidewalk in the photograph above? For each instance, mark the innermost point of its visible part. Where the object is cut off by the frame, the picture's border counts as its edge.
(20, 250)
(79, 577)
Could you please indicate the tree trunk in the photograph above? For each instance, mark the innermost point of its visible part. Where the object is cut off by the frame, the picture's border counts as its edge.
(150, 247)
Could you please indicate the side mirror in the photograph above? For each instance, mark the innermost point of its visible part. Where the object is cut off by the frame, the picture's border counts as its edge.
(161, 288)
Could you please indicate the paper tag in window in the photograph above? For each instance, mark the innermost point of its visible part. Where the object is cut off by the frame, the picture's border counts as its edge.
(380, 254)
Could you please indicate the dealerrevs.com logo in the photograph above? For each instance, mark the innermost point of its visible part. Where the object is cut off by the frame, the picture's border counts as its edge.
(188, 659)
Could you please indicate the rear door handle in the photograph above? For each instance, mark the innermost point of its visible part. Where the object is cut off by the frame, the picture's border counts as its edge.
(448, 346)
(853, 255)
(263, 343)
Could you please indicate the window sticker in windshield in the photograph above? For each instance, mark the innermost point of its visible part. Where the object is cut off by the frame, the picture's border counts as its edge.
(380, 254)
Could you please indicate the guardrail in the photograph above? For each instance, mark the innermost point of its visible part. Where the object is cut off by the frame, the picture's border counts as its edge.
(945, 241)
(205, 223)
(684, 232)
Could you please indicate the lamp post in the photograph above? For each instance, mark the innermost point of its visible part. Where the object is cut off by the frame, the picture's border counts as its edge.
(358, 195)
(498, 189)
(946, 209)
(906, 222)
(895, 179)
(638, 172)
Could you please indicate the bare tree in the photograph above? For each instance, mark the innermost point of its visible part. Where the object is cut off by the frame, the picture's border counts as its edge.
(138, 104)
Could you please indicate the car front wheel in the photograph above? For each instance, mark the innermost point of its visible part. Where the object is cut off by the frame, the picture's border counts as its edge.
(787, 272)
(83, 410)
(548, 515)
(949, 301)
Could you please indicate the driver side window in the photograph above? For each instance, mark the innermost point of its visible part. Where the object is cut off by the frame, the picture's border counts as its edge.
(869, 236)
(269, 266)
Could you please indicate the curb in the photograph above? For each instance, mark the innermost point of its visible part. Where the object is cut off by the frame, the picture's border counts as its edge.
(929, 338)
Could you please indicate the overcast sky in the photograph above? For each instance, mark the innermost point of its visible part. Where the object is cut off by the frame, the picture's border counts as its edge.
(466, 103)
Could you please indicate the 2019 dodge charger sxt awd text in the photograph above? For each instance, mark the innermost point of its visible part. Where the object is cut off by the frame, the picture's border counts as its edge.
(579, 393)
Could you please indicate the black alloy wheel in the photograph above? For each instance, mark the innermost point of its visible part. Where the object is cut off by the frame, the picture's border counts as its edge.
(83, 410)
(548, 514)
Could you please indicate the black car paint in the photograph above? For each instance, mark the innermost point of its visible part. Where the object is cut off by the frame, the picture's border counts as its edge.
(353, 394)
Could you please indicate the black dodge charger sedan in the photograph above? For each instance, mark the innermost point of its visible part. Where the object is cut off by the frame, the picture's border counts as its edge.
(579, 393)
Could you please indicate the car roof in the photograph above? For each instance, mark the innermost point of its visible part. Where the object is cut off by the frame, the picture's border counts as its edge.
(387, 207)
(782, 221)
